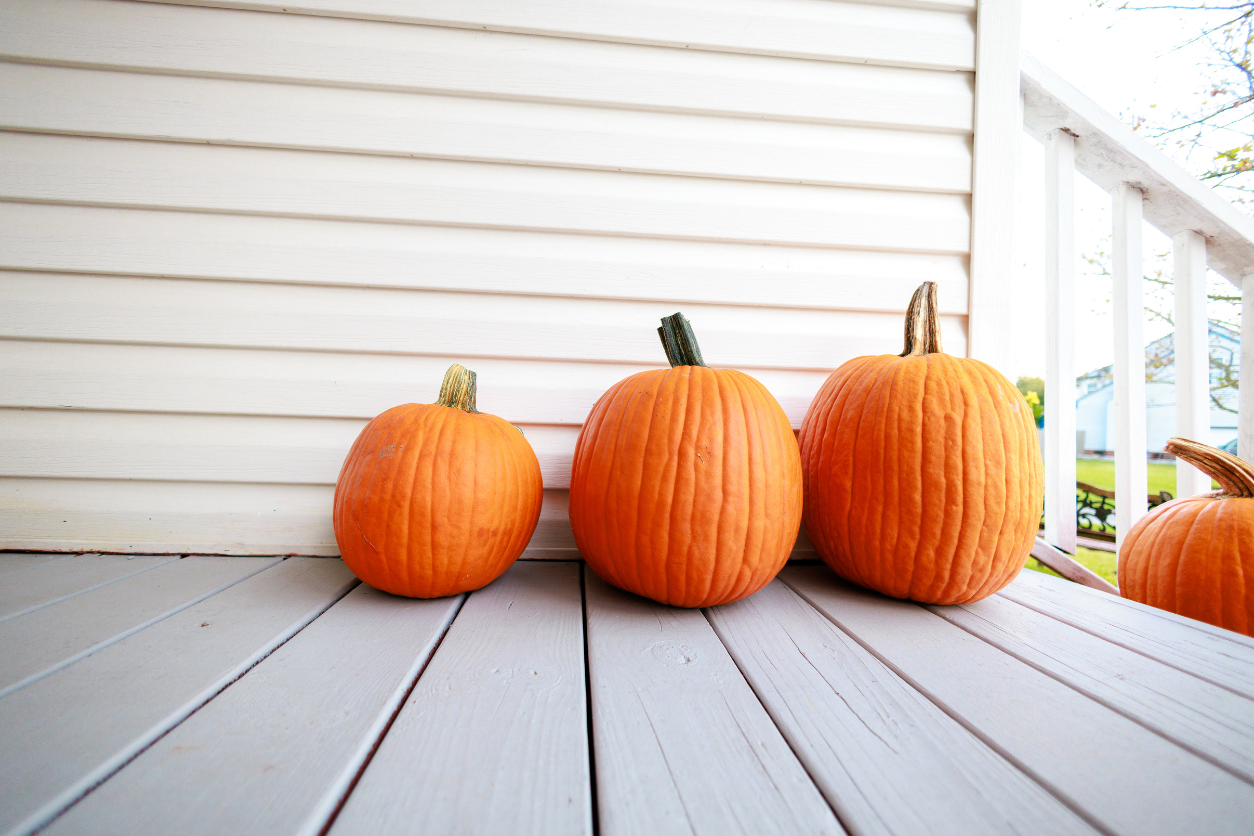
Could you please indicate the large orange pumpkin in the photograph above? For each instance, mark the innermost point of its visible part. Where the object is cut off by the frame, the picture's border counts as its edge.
(436, 499)
(1194, 556)
(922, 471)
(686, 485)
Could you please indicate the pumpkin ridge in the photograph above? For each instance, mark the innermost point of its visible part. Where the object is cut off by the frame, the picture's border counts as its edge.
(786, 542)
(867, 572)
(1016, 503)
(641, 544)
(586, 449)
(749, 466)
(835, 539)
(600, 547)
(1225, 524)
(403, 567)
(584, 483)
(724, 411)
(978, 402)
(647, 503)
(956, 417)
(905, 466)
(766, 455)
(997, 504)
(888, 445)
(388, 479)
(680, 514)
(931, 402)
(931, 492)
(434, 505)
(1007, 500)
(845, 548)
(666, 486)
(1162, 543)
(663, 487)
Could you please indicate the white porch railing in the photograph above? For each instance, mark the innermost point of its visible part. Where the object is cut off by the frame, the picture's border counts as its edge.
(1205, 230)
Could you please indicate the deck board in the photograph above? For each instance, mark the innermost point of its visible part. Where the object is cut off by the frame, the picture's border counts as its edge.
(276, 751)
(493, 738)
(296, 701)
(11, 562)
(1216, 655)
(45, 640)
(682, 744)
(887, 758)
(52, 581)
(1199, 715)
(1124, 777)
(67, 732)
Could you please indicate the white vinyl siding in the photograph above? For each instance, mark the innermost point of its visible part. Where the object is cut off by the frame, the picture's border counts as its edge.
(231, 233)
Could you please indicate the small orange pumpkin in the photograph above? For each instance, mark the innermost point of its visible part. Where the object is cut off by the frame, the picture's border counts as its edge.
(686, 483)
(922, 471)
(1194, 556)
(437, 499)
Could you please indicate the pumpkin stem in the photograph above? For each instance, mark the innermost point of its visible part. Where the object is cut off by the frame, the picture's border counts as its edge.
(679, 341)
(923, 323)
(1235, 476)
(458, 389)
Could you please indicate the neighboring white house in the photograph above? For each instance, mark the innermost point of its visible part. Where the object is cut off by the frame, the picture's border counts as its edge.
(1095, 405)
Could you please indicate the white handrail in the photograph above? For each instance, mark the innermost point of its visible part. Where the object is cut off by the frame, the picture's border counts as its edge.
(1206, 230)
(1109, 153)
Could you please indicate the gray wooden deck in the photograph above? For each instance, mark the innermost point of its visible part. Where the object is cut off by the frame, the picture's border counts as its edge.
(260, 695)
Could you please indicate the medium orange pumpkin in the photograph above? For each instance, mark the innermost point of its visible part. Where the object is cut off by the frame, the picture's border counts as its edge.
(1194, 556)
(686, 484)
(922, 471)
(436, 499)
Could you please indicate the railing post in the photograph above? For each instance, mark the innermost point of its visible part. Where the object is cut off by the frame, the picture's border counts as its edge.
(1131, 482)
(1192, 353)
(1245, 419)
(1060, 437)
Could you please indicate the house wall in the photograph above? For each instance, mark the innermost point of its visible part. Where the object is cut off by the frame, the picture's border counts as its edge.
(1091, 416)
(231, 233)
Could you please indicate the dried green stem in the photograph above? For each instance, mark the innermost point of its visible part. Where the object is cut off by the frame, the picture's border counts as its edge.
(458, 389)
(679, 342)
(1235, 476)
(923, 323)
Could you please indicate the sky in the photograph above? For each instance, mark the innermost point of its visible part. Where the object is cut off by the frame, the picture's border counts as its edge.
(1131, 63)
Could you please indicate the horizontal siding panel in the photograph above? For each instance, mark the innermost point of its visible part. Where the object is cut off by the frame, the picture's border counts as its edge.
(204, 517)
(295, 183)
(93, 376)
(73, 444)
(226, 112)
(819, 29)
(194, 245)
(457, 325)
(316, 50)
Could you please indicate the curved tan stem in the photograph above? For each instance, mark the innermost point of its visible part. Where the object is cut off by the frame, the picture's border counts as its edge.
(923, 323)
(458, 389)
(1235, 476)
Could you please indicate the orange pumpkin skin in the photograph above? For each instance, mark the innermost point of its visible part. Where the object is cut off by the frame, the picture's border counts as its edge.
(1194, 556)
(433, 500)
(686, 486)
(923, 477)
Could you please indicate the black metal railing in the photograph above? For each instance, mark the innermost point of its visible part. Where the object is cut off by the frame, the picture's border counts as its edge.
(1095, 511)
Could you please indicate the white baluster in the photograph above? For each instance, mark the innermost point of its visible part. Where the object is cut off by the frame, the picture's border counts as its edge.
(1245, 445)
(1060, 434)
(1131, 473)
(1192, 350)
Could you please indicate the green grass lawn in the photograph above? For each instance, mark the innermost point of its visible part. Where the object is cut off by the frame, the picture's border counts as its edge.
(1162, 476)
(1101, 474)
